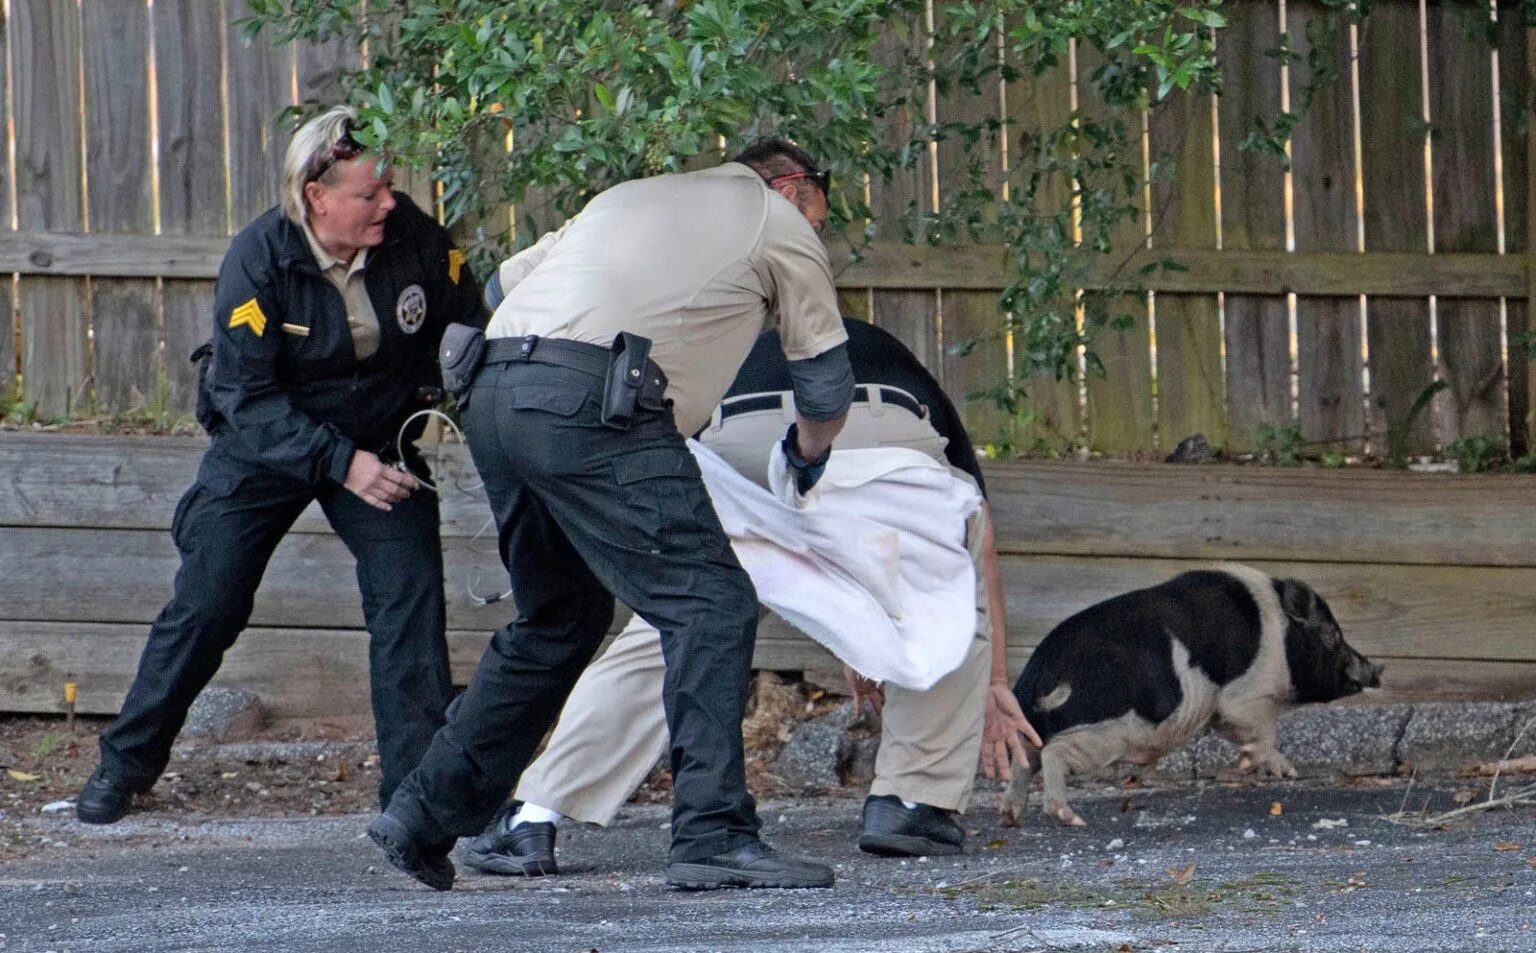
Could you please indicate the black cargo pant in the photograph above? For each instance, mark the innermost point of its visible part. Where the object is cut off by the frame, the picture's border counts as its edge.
(226, 527)
(587, 513)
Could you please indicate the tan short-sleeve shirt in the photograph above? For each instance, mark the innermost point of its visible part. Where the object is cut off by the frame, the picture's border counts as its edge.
(698, 262)
(362, 320)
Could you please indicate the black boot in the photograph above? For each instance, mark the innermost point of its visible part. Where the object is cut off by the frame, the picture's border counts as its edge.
(750, 865)
(527, 849)
(104, 799)
(891, 829)
(425, 861)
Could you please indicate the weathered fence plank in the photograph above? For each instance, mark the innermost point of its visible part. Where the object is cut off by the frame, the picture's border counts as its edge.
(1388, 612)
(1464, 185)
(126, 575)
(1257, 329)
(1041, 508)
(1245, 513)
(1187, 328)
(260, 79)
(45, 49)
(8, 328)
(1516, 61)
(1120, 410)
(1330, 390)
(124, 319)
(1413, 611)
(912, 316)
(1392, 134)
(975, 349)
(1034, 107)
(298, 673)
(192, 177)
(887, 266)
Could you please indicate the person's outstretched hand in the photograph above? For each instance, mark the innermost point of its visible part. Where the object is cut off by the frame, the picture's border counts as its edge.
(1002, 726)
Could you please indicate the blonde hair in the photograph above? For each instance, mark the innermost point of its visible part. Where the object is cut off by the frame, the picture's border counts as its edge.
(310, 149)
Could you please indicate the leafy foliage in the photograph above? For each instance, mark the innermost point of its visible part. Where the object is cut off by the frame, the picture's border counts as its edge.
(544, 103)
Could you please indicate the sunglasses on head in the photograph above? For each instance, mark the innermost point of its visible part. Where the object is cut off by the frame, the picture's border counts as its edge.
(342, 150)
(821, 177)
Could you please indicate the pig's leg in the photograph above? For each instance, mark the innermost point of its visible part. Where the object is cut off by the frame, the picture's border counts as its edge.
(1016, 796)
(1054, 767)
(1250, 724)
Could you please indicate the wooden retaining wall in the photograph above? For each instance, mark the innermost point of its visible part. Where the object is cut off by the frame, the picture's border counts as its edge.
(1433, 574)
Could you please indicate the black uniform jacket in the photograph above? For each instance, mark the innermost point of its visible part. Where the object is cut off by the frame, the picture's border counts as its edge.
(285, 391)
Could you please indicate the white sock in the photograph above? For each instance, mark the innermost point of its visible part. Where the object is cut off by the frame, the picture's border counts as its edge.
(909, 805)
(534, 814)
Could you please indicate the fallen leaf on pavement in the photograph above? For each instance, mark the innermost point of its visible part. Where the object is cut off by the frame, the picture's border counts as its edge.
(1276, 809)
(1506, 845)
(22, 775)
(1181, 875)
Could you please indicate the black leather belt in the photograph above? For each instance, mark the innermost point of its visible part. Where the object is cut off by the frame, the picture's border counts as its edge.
(888, 395)
(578, 355)
(590, 359)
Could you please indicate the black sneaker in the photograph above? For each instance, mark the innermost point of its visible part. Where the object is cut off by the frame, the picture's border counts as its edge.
(750, 865)
(104, 799)
(427, 863)
(891, 829)
(527, 850)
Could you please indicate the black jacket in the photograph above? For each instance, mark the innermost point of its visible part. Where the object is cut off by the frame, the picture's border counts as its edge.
(285, 391)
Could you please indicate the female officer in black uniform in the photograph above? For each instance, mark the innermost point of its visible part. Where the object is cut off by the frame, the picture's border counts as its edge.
(327, 315)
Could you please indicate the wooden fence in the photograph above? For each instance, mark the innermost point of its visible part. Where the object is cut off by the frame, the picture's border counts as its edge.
(1391, 253)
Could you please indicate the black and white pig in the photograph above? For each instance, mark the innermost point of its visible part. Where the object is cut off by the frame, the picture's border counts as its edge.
(1136, 676)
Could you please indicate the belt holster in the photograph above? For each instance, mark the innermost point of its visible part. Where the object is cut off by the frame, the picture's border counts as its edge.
(626, 376)
(460, 355)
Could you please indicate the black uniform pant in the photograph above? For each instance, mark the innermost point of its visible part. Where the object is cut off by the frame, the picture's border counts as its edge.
(586, 513)
(226, 528)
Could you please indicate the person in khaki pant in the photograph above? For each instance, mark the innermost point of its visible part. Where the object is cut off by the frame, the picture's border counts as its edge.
(612, 729)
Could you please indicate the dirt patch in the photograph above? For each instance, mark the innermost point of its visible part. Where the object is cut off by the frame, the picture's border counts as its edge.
(293, 768)
(43, 763)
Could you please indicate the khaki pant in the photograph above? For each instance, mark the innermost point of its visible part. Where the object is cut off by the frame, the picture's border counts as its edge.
(613, 728)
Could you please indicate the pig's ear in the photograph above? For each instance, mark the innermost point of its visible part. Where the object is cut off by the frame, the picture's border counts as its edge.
(1297, 599)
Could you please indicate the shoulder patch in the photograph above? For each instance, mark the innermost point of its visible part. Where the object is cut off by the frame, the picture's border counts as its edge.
(455, 264)
(249, 315)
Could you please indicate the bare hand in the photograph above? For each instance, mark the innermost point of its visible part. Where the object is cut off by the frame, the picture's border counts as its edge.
(1002, 725)
(864, 690)
(378, 484)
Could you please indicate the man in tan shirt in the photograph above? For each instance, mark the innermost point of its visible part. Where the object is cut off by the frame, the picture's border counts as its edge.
(657, 290)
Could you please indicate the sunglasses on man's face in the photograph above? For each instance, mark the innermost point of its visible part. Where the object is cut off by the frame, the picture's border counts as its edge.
(821, 177)
(345, 148)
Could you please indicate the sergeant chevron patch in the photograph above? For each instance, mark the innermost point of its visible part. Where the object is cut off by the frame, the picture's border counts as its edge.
(250, 315)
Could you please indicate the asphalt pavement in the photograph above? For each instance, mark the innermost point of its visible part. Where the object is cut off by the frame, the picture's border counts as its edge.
(1186, 866)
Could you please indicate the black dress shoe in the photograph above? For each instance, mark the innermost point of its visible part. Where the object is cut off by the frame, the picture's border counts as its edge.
(104, 799)
(426, 862)
(526, 850)
(750, 865)
(891, 829)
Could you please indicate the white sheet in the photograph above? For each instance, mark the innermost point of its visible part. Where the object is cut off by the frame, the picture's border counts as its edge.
(872, 563)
